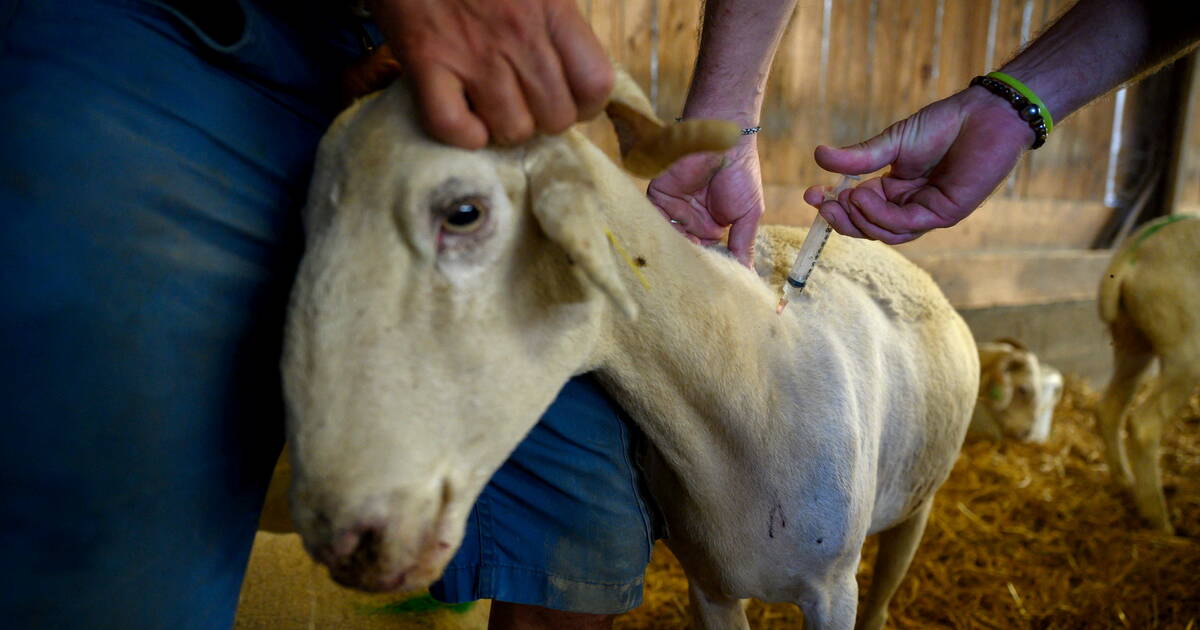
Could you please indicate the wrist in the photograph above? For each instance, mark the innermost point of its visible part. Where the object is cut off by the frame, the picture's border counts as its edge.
(998, 114)
(743, 117)
(1023, 101)
(738, 103)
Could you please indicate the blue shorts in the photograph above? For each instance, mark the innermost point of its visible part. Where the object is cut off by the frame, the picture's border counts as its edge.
(562, 524)
(150, 186)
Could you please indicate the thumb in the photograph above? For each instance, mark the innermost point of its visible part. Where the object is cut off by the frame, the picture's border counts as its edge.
(864, 157)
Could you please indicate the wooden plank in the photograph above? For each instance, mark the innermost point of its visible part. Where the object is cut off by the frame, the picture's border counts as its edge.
(999, 224)
(1177, 185)
(636, 17)
(879, 71)
(1073, 166)
(848, 87)
(912, 59)
(1000, 278)
(964, 44)
(1067, 166)
(679, 39)
(1190, 194)
(792, 118)
(1067, 335)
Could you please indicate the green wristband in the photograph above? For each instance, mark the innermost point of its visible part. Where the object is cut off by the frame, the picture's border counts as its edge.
(1028, 94)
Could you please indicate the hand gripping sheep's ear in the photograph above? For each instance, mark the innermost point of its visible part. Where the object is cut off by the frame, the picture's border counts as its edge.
(647, 146)
(564, 203)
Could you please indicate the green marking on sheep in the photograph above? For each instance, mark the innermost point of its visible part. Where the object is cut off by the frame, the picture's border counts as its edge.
(416, 605)
(1151, 228)
(996, 393)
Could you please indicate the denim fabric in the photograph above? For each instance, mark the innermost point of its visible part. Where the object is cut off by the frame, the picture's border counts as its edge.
(563, 524)
(149, 190)
(150, 183)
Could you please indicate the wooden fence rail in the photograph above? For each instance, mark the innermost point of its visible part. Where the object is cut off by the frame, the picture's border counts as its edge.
(848, 68)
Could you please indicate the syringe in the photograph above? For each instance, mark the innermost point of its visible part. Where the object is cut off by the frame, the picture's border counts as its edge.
(810, 249)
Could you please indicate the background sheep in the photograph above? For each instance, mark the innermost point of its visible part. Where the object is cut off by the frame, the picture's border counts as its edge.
(1017, 393)
(1150, 299)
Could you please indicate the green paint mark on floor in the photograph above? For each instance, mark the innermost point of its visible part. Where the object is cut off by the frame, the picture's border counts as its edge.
(417, 605)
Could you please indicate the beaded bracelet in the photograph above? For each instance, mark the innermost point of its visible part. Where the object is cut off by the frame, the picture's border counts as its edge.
(1029, 107)
(746, 131)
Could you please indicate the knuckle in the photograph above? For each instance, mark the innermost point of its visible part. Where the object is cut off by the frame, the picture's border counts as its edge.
(442, 120)
(558, 118)
(514, 130)
(453, 127)
(516, 27)
(593, 87)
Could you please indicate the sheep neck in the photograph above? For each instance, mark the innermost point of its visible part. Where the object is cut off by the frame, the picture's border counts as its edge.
(699, 367)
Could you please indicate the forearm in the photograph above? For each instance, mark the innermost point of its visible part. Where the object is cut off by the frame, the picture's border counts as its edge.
(737, 46)
(1099, 44)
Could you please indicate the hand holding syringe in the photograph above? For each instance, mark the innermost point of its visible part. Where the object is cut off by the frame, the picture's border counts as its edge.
(806, 258)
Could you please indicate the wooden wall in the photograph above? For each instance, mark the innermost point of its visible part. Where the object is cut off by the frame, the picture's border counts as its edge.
(848, 68)
(1189, 160)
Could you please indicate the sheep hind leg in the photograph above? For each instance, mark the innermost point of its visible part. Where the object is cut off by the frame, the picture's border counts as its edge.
(1175, 383)
(896, 549)
(715, 613)
(1132, 354)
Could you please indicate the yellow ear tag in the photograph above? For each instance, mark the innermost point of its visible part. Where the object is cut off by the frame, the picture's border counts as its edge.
(629, 261)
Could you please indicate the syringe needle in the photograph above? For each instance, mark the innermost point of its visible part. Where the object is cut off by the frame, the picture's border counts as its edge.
(810, 249)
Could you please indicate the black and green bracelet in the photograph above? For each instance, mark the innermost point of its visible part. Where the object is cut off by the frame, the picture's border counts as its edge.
(1029, 107)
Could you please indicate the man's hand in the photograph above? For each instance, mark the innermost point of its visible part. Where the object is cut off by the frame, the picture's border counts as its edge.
(945, 160)
(497, 70)
(704, 194)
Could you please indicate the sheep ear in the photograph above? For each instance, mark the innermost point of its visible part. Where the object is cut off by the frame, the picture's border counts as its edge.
(1012, 342)
(564, 203)
(648, 146)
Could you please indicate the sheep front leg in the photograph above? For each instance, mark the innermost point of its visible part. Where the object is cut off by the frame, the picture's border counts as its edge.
(834, 605)
(715, 613)
(897, 546)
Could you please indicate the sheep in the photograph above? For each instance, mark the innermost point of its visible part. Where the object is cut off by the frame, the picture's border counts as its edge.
(1017, 393)
(1050, 393)
(445, 296)
(1150, 300)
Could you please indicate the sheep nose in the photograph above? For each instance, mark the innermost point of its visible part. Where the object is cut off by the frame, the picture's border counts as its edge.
(341, 547)
(355, 559)
(358, 547)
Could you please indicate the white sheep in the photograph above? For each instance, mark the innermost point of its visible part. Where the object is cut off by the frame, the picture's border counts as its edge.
(1017, 393)
(446, 295)
(1150, 299)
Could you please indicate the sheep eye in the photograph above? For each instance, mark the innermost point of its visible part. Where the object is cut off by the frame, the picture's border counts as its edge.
(464, 216)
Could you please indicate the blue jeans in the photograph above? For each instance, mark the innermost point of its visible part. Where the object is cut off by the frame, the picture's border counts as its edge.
(150, 182)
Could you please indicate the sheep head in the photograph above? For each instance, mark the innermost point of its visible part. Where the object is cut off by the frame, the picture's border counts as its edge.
(444, 298)
(1011, 387)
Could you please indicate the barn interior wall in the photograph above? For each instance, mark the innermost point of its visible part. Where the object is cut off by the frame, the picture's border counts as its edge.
(1023, 265)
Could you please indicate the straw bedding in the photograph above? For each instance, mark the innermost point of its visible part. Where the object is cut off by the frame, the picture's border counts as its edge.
(1026, 536)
